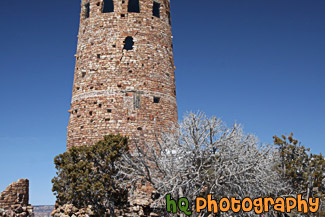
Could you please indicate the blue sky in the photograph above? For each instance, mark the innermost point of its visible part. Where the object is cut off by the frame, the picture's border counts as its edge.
(255, 62)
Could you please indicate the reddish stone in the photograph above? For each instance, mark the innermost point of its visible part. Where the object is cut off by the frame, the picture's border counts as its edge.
(124, 81)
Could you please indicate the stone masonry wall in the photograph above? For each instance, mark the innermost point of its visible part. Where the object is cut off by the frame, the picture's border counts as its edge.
(120, 87)
(15, 193)
(14, 200)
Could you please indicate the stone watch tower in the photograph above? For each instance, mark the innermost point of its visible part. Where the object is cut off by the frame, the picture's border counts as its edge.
(124, 79)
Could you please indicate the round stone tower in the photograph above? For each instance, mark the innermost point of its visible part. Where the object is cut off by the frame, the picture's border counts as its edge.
(124, 81)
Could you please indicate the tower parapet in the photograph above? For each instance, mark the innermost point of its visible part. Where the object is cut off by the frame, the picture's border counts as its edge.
(124, 81)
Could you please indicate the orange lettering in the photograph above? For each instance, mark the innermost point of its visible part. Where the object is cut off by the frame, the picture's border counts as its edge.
(212, 203)
(199, 207)
(250, 207)
(233, 203)
(222, 208)
(279, 205)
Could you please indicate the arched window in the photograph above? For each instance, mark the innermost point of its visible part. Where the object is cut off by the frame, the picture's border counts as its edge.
(108, 6)
(156, 9)
(134, 6)
(128, 43)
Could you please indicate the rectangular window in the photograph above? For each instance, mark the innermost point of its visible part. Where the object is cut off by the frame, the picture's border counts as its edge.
(156, 9)
(169, 18)
(108, 6)
(87, 10)
(134, 6)
(137, 101)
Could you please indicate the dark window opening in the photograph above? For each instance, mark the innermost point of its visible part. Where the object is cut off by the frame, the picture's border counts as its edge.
(87, 10)
(128, 43)
(90, 113)
(134, 6)
(20, 198)
(169, 18)
(98, 56)
(98, 3)
(107, 119)
(155, 196)
(81, 127)
(156, 9)
(108, 6)
(139, 128)
(99, 105)
(83, 74)
(109, 110)
(156, 99)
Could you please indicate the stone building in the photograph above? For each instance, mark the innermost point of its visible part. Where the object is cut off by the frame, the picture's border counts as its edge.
(14, 200)
(124, 81)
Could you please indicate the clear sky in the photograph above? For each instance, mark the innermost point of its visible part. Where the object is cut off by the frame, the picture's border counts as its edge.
(256, 62)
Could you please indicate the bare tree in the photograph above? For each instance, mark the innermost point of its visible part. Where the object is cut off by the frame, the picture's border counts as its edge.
(205, 157)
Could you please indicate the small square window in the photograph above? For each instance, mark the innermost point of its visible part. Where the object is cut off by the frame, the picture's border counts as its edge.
(156, 99)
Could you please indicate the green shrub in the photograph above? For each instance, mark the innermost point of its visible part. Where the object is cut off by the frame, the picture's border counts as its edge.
(87, 176)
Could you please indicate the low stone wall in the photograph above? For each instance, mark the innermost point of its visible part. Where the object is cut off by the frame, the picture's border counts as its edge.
(69, 210)
(140, 206)
(14, 200)
(17, 211)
